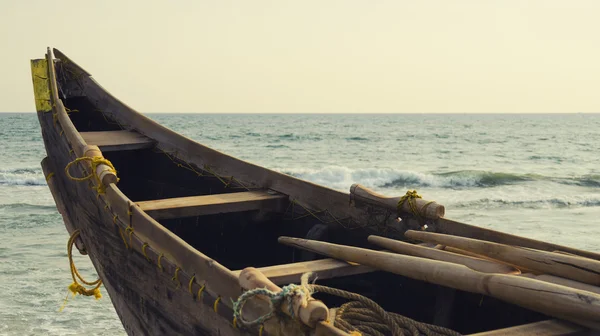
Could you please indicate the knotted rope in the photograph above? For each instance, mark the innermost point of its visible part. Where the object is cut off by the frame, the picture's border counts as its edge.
(361, 315)
(77, 288)
(288, 294)
(410, 198)
(94, 162)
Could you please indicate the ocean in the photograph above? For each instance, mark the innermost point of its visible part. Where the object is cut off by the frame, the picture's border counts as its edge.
(532, 175)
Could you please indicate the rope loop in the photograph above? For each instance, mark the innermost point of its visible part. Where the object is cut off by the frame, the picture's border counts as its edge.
(94, 162)
(288, 294)
(144, 246)
(76, 287)
(175, 277)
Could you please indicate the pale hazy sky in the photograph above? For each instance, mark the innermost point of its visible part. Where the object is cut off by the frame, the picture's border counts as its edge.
(315, 56)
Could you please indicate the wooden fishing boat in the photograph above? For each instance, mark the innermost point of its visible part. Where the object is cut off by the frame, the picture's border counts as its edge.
(178, 232)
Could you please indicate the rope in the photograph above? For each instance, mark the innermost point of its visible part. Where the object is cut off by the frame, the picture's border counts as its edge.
(287, 294)
(410, 197)
(360, 315)
(95, 162)
(367, 317)
(76, 287)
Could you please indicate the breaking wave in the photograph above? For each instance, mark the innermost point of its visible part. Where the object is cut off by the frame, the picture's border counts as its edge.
(22, 176)
(342, 177)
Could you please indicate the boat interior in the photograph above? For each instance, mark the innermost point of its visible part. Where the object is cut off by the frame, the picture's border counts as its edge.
(238, 226)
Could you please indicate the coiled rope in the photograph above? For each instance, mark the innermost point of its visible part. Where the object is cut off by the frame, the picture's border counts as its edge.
(367, 317)
(94, 162)
(361, 314)
(77, 288)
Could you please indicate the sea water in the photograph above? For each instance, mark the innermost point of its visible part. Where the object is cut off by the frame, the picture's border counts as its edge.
(533, 175)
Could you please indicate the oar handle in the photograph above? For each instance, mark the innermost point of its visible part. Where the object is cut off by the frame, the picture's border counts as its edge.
(310, 313)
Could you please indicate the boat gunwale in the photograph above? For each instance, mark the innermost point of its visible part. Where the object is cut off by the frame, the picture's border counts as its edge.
(310, 195)
(176, 254)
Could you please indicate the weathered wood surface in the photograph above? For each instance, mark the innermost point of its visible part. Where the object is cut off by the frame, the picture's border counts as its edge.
(307, 194)
(447, 226)
(563, 282)
(213, 204)
(150, 300)
(476, 264)
(542, 328)
(146, 299)
(310, 312)
(567, 266)
(117, 140)
(427, 209)
(554, 300)
(323, 269)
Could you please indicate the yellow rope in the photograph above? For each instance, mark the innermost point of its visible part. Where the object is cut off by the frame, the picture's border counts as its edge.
(160, 267)
(130, 230)
(191, 283)
(260, 331)
(235, 322)
(123, 237)
(216, 305)
(409, 198)
(76, 287)
(176, 277)
(199, 295)
(144, 251)
(95, 162)
(49, 176)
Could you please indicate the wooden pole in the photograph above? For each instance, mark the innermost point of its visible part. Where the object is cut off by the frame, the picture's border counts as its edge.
(555, 300)
(475, 264)
(427, 209)
(310, 313)
(566, 266)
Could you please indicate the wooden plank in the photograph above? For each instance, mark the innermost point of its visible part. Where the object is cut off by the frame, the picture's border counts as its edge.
(323, 269)
(213, 204)
(542, 328)
(109, 141)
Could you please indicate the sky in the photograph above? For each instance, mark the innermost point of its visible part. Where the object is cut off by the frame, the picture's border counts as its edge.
(324, 56)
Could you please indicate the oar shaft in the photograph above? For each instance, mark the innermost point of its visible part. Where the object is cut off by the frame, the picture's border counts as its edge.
(566, 266)
(475, 264)
(550, 299)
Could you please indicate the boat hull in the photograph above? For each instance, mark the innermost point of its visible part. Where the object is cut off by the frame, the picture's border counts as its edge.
(146, 298)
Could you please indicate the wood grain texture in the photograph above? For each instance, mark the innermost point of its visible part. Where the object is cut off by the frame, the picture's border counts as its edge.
(542, 328)
(448, 226)
(323, 269)
(427, 209)
(571, 267)
(310, 312)
(307, 194)
(146, 299)
(109, 141)
(476, 264)
(554, 300)
(213, 204)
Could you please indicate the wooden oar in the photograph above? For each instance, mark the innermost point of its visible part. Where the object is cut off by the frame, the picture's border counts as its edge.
(555, 300)
(475, 264)
(310, 313)
(563, 282)
(566, 266)
(479, 256)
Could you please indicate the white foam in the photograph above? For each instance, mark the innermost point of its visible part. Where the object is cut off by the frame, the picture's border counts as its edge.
(22, 177)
